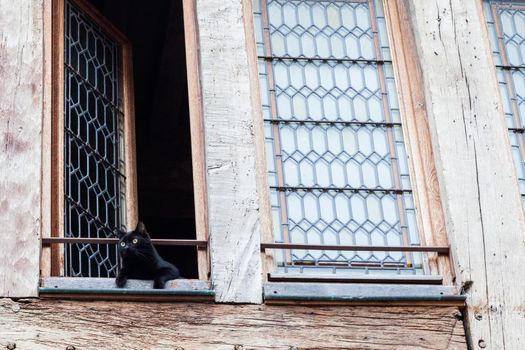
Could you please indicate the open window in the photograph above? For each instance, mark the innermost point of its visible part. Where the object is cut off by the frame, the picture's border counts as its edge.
(351, 179)
(126, 142)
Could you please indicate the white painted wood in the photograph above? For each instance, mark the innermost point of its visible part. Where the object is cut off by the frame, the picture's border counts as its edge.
(234, 220)
(21, 93)
(478, 184)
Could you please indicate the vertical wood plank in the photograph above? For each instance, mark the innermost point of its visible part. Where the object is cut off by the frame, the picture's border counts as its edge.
(234, 217)
(416, 131)
(47, 166)
(130, 149)
(263, 188)
(479, 187)
(197, 134)
(21, 109)
(57, 135)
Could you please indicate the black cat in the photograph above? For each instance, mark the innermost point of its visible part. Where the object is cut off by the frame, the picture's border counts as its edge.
(140, 259)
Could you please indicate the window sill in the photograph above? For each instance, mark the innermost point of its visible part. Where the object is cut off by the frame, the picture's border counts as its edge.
(282, 293)
(136, 290)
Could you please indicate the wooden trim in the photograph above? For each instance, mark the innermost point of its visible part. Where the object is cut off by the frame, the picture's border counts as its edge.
(409, 83)
(57, 136)
(130, 148)
(265, 210)
(47, 165)
(200, 186)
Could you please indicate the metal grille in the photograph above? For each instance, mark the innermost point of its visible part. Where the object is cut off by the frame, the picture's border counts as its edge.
(506, 23)
(336, 159)
(93, 145)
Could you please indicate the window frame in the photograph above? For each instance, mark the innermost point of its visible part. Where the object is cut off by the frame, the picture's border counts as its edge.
(52, 249)
(426, 191)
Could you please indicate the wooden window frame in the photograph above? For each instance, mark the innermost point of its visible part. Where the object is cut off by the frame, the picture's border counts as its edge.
(511, 90)
(52, 252)
(409, 83)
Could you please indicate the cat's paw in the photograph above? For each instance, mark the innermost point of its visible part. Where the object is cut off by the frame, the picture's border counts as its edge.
(158, 284)
(121, 281)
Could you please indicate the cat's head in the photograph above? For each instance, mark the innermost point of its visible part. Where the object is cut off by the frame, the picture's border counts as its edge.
(134, 243)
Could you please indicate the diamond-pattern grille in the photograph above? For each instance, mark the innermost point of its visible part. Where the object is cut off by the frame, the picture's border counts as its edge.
(506, 23)
(336, 159)
(93, 135)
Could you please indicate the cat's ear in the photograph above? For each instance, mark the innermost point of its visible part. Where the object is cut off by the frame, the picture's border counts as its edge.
(141, 229)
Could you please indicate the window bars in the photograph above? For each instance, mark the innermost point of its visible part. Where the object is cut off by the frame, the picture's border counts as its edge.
(336, 159)
(506, 25)
(94, 180)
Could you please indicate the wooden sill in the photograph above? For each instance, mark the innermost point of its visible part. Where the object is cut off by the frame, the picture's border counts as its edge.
(136, 290)
(291, 293)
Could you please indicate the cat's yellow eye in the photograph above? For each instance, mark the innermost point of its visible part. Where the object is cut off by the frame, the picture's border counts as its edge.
(135, 241)
(122, 244)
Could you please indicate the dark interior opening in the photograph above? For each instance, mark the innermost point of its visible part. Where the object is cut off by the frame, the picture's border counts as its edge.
(164, 168)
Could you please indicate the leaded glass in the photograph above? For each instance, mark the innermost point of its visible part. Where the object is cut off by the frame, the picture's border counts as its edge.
(506, 24)
(94, 182)
(337, 165)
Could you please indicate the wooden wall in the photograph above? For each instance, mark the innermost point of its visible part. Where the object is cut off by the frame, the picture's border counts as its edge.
(33, 324)
(478, 186)
(21, 99)
(475, 168)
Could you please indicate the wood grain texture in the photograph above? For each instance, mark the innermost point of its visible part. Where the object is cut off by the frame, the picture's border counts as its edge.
(103, 325)
(478, 183)
(263, 187)
(198, 152)
(409, 82)
(21, 108)
(234, 218)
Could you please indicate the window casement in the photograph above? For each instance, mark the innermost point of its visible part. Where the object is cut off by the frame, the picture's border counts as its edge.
(96, 151)
(506, 26)
(351, 180)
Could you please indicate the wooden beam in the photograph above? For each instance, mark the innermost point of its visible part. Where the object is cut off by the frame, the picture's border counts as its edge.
(233, 201)
(21, 110)
(478, 182)
(54, 324)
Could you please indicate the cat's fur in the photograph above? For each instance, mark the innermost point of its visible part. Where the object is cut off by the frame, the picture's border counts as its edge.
(141, 260)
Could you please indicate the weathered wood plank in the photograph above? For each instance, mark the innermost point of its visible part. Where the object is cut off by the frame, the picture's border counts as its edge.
(477, 179)
(21, 108)
(234, 219)
(109, 283)
(101, 325)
